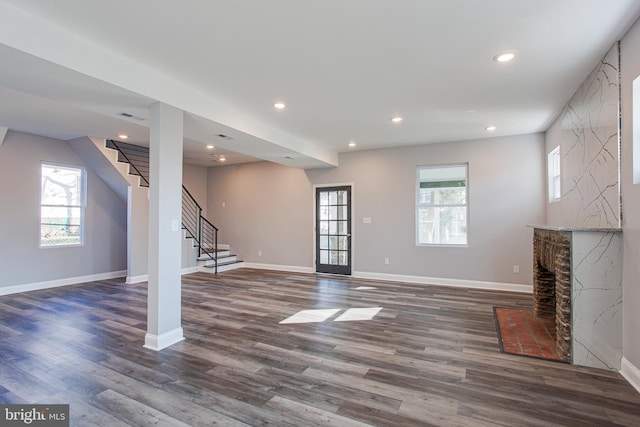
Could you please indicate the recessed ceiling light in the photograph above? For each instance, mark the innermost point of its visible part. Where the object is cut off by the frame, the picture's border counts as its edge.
(396, 119)
(351, 144)
(504, 57)
(491, 128)
(210, 146)
(123, 136)
(279, 105)
(223, 159)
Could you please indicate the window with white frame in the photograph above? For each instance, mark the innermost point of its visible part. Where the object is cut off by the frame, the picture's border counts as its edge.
(553, 174)
(62, 203)
(636, 130)
(441, 205)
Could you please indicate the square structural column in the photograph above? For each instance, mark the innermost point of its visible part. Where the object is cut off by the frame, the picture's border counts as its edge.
(164, 310)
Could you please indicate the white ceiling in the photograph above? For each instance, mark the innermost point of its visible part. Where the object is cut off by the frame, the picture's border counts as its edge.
(343, 67)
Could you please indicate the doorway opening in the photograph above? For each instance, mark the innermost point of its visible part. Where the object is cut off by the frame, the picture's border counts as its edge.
(333, 230)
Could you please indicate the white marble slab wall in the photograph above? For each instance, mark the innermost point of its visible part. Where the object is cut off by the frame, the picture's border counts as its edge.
(590, 147)
(596, 296)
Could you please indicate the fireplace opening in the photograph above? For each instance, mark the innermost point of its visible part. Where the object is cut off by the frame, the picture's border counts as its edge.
(552, 284)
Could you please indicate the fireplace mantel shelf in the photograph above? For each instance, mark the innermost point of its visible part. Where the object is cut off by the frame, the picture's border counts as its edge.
(555, 228)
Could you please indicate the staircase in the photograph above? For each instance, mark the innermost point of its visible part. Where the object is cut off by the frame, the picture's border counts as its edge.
(211, 254)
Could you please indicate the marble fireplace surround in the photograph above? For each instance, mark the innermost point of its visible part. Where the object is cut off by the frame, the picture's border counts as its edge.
(578, 281)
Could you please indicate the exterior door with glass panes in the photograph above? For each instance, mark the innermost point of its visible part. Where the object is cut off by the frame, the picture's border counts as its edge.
(333, 230)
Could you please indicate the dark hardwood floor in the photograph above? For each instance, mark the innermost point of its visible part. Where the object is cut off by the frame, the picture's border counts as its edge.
(430, 356)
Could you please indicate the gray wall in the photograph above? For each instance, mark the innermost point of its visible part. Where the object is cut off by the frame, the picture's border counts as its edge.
(21, 259)
(195, 179)
(630, 46)
(267, 207)
(270, 208)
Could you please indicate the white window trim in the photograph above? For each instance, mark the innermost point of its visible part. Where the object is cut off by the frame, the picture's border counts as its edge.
(419, 205)
(82, 206)
(553, 175)
(635, 124)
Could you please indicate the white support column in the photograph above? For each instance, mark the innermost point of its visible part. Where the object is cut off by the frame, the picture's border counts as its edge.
(164, 316)
(3, 133)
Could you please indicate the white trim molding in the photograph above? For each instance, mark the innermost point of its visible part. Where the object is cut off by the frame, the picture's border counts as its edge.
(145, 277)
(159, 342)
(190, 270)
(60, 282)
(440, 281)
(276, 267)
(137, 279)
(631, 373)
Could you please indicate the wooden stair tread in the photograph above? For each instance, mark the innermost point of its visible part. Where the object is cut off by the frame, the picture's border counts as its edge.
(220, 264)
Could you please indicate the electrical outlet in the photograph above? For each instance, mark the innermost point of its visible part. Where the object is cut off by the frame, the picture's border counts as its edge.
(516, 269)
(259, 253)
(386, 261)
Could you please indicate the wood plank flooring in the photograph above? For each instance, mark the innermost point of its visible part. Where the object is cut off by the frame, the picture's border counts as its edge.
(430, 356)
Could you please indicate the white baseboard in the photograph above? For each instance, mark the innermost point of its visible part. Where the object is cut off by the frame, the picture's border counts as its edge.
(145, 277)
(513, 287)
(475, 284)
(631, 373)
(277, 267)
(158, 342)
(60, 282)
(459, 283)
(137, 279)
(190, 270)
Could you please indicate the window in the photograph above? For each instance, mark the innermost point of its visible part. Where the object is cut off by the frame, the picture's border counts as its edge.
(62, 201)
(553, 174)
(442, 205)
(636, 130)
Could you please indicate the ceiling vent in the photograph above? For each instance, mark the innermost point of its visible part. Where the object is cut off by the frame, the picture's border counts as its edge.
(227, 137)
(131, 116)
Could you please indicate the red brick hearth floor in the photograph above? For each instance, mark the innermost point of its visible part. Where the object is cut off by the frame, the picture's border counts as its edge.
(522, 333)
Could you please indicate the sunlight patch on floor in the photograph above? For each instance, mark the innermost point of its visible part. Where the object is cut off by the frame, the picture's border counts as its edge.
(358, 314)
(310, 316)
(321, 315)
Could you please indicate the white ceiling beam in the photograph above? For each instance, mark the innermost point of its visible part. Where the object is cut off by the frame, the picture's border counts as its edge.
(28, 33)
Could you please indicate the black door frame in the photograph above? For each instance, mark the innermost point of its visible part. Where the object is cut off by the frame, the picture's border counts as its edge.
(330, 268)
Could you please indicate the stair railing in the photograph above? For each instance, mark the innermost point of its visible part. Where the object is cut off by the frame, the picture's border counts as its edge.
(191, 212)
(195, 224)
(209, 240)
(199, 228)
(133, 161)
